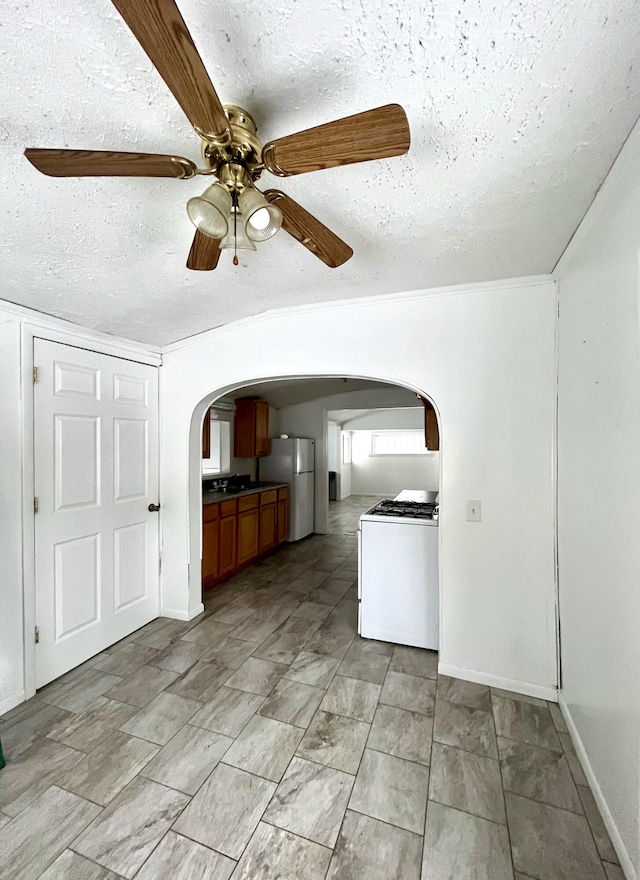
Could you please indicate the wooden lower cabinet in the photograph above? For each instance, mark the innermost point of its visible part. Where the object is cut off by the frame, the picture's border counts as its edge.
(237, 531)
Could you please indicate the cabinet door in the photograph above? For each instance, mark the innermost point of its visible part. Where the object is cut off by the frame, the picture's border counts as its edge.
(228, 555)
(268, 527)
(283, 520)
(248, 547)
(263, 446)
(210, 551)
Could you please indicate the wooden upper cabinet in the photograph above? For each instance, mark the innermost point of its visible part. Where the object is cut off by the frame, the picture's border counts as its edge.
(206, 435)
(251, 429)
(431, 430)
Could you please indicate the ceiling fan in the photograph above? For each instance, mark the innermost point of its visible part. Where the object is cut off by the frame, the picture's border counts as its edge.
(232, 213)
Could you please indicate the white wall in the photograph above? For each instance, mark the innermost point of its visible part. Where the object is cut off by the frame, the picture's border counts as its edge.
(394, 419)
(390, 474)
(599, 495)
(11, 616)
(486, 356)
(334, 447)
(345, 473)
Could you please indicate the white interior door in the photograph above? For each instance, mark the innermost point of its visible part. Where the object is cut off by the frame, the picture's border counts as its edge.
(96, 472)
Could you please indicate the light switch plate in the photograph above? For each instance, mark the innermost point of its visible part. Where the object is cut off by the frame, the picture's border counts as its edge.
(474, 511)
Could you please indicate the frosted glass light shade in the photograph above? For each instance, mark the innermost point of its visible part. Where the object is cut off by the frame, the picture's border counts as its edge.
(210, 211)
(263, 218)
(238, 241)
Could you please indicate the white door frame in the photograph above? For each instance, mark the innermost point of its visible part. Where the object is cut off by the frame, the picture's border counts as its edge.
(81, 340)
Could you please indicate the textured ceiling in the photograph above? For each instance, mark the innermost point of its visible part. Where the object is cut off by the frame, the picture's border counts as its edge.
(517, 110)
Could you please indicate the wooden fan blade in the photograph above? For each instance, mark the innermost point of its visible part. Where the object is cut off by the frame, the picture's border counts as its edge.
(160, 29)
(375, 134)
(100, 163)
(204, 253)
(309, 231)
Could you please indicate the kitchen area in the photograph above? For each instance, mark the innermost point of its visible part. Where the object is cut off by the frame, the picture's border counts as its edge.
(260, 491)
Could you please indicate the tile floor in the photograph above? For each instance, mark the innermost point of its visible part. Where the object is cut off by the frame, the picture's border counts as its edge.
(267, 740)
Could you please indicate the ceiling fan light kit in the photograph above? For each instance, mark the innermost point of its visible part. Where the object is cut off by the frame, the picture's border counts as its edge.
(232, 212)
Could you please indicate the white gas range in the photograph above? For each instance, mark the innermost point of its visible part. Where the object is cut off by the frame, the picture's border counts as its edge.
(398, 580)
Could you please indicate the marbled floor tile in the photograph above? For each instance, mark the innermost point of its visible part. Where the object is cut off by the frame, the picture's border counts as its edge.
(86, 730)
(4, 819)
(598, 828)
(282, 647)
(126, 660)
(101, 775)
(274, 854)
(77, 693)
(465, 728)
(123, 836)
(313, 669)
(392, 790)
(257, 676)
(228, 711)
(467, 782)
(415, 661)
(256, 628)
(187, 759)
(352, 697)
(142, 686)
(180, 655)
(613, 872)
(164, 636)
(572, 759)
(459, 846)
(518, 876)
(201, 681)
(41, 832)
(368, 848)
(209, 633)
(162, 718)
(465, 693)
(30, 774)
(549, 843)
(558, 718)
(226, 810)
(21, 711)
(30, 727)
(363, 660)
(292, 702)
(335, 741)
(264, 747)
(232, 652)
(71, 866)
(178, 858)
(409, 692)
(523, 721)
(514, 695)
(330, 643)
(401, 733)
(539, 774)
(311, 801)
(233, 614)
(312, 610)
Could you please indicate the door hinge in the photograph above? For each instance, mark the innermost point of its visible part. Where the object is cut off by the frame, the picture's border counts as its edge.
(35, 505)
(37, 634)
(35, 375)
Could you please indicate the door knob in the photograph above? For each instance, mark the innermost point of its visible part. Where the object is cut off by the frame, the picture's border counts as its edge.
(154, 508)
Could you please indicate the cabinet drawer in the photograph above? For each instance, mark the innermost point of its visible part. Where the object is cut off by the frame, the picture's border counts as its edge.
(210, 512)
(283, 493)
(228, 508)
(247, 502)
(269, 497)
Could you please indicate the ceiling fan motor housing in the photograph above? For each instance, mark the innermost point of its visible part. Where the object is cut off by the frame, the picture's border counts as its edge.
(239, 162)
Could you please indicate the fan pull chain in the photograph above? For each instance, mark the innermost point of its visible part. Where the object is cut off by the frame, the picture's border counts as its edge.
(235, 238)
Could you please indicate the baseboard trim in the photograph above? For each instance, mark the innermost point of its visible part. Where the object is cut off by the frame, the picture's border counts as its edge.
(11, 702)
(497, 681)
(175, 614)
(618, 844)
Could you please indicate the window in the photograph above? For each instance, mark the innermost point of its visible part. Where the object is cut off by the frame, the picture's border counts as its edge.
(398, 443)
(346, 448)
(220, 461)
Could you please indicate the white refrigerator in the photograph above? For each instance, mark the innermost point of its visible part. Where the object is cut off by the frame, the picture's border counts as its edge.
(292, 461)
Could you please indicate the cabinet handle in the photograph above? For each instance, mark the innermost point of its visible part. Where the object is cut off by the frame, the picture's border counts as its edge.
(154, 508)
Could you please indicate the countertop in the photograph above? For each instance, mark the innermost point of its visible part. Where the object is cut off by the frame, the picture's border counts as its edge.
(215, 496)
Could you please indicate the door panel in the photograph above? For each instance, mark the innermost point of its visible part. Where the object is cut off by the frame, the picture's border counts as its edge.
(96, 472)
